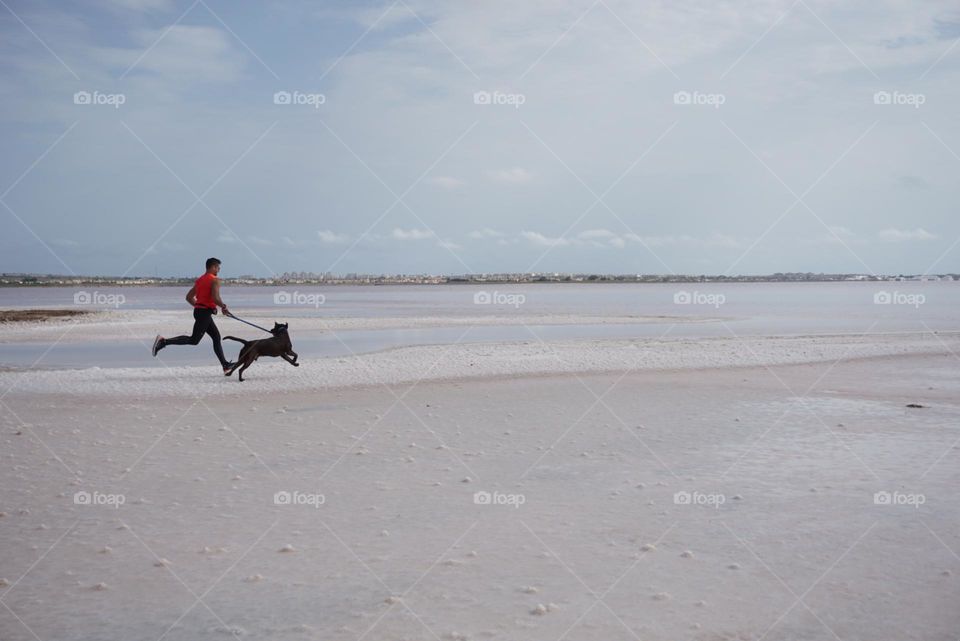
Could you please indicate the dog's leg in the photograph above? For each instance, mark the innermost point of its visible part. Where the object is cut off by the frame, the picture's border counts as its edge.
(292, 361)
(245, 366)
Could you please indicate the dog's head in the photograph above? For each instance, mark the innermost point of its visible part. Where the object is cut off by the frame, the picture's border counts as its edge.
(279, 328)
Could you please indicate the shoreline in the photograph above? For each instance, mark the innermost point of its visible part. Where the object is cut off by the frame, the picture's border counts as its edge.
(98, 324)
(477, 361)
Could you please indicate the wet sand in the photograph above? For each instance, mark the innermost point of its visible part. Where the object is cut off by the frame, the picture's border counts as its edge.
(725, 502)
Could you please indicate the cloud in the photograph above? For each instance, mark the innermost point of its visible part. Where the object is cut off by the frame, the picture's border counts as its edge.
(896, 235)
(447, 182)
(227, 237)
(449, 244)
(328, 237)
(256, 240)
(601, 238)
(539, 239)
(64, 242)
(594, 234)
(486, 232)
(189, 53)
(143, 5)
(514, 176)
(413, 234)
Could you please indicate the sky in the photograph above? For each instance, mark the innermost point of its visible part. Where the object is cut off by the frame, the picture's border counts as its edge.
(738, 137)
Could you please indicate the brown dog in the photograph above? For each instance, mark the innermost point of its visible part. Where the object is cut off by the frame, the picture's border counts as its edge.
(277, 345)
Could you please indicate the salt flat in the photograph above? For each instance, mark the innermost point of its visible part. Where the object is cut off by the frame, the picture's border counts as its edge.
(708, 489)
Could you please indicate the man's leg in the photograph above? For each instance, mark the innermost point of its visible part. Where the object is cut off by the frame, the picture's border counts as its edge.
(200, 319)
(214, 334)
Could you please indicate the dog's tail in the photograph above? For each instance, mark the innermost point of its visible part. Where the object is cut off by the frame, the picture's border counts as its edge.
(234, 338)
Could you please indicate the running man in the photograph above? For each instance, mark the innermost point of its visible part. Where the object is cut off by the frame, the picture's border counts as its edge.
(204, 296)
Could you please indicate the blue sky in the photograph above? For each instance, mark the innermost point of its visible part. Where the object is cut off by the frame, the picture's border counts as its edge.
(596, 135)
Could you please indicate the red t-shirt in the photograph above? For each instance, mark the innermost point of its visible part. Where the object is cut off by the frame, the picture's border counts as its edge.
(203, 289)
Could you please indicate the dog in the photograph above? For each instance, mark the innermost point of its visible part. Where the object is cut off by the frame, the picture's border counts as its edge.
(277, 345)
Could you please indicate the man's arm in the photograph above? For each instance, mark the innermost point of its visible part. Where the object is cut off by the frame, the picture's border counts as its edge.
(192, 296)
(217, 299)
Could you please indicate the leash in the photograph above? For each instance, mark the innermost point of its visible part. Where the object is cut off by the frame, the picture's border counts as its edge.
(248, 323)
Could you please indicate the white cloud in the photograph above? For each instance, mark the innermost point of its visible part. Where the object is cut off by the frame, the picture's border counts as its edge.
(486, 232)
(898, 235)
(447, 182)
(256, 240)
(143, 5)
(188, 53)
(332, 238)
(514, 175)
(413, 234)
(601, 238)
(546, 241)
(227, 237)
(449, 244)
(594, 234)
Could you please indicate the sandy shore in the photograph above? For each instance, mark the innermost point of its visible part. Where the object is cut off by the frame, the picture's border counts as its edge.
(707, 490)
(483, 360)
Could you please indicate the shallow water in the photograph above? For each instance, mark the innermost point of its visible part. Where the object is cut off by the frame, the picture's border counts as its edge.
(745, 309)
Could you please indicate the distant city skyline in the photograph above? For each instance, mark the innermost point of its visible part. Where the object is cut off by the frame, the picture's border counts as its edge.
(142, 136)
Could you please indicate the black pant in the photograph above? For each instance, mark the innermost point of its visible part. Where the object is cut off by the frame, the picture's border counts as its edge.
(202, 324)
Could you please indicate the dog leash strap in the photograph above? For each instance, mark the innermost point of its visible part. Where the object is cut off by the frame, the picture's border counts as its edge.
(249, 323)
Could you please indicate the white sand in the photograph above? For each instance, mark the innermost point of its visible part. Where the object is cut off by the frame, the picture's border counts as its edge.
(585, 536)
(444, 362)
